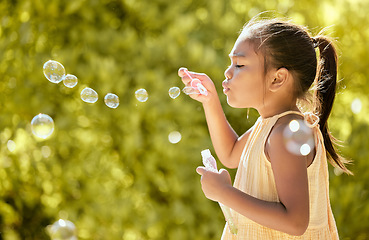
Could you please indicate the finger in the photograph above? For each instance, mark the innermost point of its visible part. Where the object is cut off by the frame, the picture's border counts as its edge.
(203, 79)
(189, 76)
(224, 172)
(194, 82)
(200, 170)
(181, 72)
(200, 76)
(186, 79)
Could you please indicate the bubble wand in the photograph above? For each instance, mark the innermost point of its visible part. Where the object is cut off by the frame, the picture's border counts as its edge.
(196, 83)
(211, 165)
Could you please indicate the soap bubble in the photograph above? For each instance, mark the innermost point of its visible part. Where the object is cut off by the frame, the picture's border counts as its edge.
(190, 90)
(62, 230)
(356, 106)
(89, 95)
(70, 81)
(174, 137)
(141, 95)
(299, 138)
(174, 92)
(54, 71)
(42, 125)
(111, 100)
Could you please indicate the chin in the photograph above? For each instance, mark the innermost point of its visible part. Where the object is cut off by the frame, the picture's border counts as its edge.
(236, 104)
(233, 104)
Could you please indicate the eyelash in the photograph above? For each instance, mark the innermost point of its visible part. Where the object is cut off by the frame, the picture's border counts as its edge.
(237, 66)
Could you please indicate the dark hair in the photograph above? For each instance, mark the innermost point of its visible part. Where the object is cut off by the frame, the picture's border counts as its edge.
(287, 45)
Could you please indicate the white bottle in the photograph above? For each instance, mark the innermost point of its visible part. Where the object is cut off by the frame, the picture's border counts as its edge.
(211, 165)
(209, 161)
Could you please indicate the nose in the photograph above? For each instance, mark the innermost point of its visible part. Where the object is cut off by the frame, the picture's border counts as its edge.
(228, 73)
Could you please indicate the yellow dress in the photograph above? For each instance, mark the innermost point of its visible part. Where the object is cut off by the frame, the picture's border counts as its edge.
(255, 177)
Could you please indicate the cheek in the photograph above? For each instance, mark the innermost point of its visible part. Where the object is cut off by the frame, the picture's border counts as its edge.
(251, 91)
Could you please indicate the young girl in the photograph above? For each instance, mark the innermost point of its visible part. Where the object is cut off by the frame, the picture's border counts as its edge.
(276, 194)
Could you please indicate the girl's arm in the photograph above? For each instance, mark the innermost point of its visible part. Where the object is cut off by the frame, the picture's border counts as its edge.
(228, 146)
(291, 213)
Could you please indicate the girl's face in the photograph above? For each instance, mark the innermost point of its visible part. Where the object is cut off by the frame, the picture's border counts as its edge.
(245, 79)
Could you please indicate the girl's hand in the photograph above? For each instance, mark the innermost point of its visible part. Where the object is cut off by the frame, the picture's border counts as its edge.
(212, 183)
(205, 81)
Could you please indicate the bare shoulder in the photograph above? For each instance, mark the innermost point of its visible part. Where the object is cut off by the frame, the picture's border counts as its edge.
(275, 145)
(286, 120)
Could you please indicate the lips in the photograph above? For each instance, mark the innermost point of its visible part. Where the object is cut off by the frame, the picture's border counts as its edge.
(225, 88)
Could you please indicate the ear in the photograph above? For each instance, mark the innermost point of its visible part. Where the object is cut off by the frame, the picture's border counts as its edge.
(281, 78)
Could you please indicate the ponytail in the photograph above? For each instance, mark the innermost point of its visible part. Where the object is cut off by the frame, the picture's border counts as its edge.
(326, 81)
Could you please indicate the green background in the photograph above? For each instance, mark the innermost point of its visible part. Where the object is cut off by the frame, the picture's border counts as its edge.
(113, 172)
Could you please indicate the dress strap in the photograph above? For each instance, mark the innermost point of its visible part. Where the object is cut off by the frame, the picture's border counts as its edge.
(289, 112)
(310, 119)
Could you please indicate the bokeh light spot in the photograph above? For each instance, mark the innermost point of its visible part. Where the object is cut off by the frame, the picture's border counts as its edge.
(174, 137)
(356, 106)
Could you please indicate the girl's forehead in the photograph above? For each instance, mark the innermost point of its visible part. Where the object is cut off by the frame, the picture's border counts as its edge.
(243, 48)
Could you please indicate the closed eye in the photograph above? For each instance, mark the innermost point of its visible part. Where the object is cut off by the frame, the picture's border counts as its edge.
(239, 66)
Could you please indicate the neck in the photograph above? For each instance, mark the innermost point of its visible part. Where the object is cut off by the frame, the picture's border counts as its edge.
(275, 109)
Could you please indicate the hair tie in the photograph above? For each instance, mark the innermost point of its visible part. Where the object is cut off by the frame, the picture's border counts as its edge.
(315, 42)
(311, 119)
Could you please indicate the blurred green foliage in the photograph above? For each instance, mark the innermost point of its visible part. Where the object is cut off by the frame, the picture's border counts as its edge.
(113, 172)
